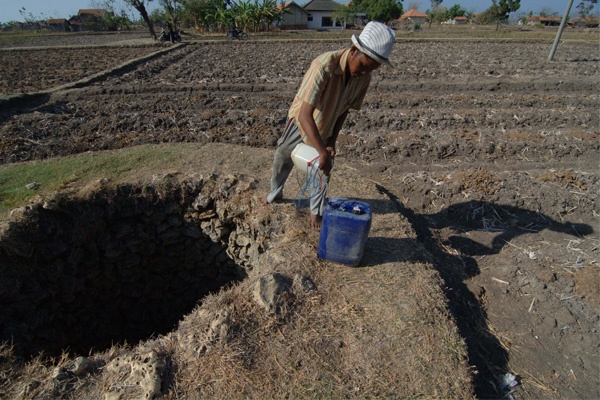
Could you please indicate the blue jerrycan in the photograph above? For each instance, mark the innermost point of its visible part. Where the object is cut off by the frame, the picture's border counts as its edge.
(344, 231)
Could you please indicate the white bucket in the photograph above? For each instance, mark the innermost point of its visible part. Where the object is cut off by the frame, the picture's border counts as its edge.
(305, 157)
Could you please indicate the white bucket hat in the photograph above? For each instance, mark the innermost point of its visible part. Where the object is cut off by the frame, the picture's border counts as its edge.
(376, 41)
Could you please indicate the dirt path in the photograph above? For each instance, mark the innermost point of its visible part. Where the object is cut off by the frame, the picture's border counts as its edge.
(486, 149)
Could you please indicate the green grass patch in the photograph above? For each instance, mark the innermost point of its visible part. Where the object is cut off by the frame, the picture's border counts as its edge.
(20, 37)
(435, 32)
(56, 174)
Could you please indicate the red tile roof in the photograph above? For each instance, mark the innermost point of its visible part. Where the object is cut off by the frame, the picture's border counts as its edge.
(541, 19)
(412, 14)
(92, 11)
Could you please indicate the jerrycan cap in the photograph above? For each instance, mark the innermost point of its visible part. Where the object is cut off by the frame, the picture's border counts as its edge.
(351, 207)
(358, 210)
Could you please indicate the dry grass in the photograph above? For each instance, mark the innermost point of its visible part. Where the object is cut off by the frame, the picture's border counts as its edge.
(379, 331)
(376, 331)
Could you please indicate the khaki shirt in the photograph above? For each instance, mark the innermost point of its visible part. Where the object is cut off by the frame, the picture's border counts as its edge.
(325, 88)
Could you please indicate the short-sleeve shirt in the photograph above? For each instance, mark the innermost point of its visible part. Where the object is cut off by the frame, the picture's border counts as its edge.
(324, 86)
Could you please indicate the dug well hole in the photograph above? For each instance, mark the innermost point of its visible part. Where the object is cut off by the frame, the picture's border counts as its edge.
(121, 264)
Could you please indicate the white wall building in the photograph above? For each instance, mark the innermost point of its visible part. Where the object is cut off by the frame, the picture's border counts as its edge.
(321, 14)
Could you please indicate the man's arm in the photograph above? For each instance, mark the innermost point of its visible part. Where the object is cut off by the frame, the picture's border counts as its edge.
(336, 130)
(309, 126)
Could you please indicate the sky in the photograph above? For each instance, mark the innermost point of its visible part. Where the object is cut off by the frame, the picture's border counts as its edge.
(44, 9)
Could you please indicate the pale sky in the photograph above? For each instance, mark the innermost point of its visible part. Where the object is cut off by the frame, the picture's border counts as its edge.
(44, 9)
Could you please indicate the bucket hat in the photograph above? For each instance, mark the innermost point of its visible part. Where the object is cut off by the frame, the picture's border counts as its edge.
(376, 41)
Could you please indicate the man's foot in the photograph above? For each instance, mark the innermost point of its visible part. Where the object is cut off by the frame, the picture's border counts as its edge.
(271, 199)
(315, 221)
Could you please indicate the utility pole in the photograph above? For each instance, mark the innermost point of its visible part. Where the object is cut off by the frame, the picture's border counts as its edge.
(560, 30)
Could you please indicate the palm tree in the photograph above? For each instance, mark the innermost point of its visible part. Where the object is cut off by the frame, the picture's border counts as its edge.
(221, 18)
(270, 13)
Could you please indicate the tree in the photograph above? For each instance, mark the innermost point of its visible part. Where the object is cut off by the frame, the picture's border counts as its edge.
(113, 19)
(220, 15)
(13, 25)
(456, 11)
(585, 7)
(202, 13)
(414, 5)
(546, 12)
(377, 10)
(343, 13)
(140, 6)
(158, 17)
(433, 13)
(499, 11)
(436, 15)
(173, 10)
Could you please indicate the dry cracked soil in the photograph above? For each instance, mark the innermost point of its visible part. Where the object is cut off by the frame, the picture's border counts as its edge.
(489, 150)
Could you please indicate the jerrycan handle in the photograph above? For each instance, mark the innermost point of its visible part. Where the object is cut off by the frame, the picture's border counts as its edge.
(336, 202)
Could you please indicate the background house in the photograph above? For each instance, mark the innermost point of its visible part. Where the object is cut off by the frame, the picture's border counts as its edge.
(321, 14)
(292, 16)
(88, 20)
(587, 22)
(414, 16)
(58, 25)
(546, 21)
(460, 20)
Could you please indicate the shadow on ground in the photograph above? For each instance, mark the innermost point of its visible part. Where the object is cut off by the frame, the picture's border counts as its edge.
(20, 104)
(485, 351)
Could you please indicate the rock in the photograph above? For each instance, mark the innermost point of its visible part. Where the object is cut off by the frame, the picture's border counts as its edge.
(202, 201)
(61, 374)
(268, 290)
(303, 283)
(239, 240)
(139, 373)
(82, 366)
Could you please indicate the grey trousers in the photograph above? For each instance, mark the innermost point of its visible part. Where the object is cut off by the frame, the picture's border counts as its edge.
(283, 165)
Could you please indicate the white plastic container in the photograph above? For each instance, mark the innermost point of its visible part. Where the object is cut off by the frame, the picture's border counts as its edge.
(305, 157)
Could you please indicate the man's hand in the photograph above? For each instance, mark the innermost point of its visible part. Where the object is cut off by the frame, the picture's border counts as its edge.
(326, 160)
(331, 150)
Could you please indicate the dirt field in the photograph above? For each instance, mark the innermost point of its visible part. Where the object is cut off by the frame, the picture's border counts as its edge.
(488, 150)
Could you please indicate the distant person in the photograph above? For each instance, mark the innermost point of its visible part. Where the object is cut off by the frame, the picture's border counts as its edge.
(335, 82)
